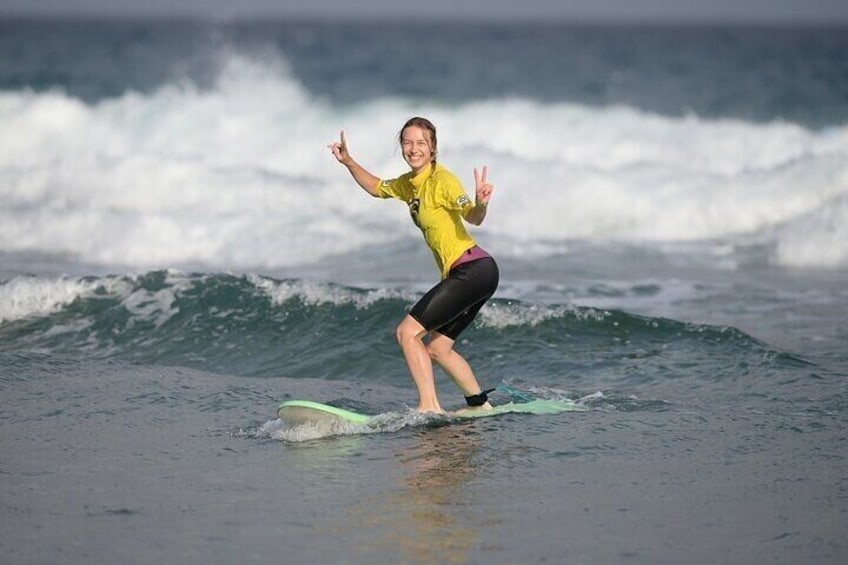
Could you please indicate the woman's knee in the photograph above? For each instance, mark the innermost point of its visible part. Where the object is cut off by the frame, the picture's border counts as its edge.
(439, 348)
(408, 330)
(438, 354)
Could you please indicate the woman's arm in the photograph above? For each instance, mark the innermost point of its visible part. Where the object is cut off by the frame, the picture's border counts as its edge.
(483, 192)
(362, 177)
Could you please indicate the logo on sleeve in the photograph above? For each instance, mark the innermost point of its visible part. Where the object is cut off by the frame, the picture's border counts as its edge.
(463, 201)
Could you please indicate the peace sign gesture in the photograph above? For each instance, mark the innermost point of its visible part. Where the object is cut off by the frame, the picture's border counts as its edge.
(482, 188)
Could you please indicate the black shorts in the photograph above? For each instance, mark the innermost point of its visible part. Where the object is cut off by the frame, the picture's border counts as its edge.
(452, 304)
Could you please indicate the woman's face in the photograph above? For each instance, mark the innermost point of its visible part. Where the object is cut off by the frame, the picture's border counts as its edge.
(416, 147)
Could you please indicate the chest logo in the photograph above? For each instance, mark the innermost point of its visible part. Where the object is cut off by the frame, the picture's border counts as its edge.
(414, 205)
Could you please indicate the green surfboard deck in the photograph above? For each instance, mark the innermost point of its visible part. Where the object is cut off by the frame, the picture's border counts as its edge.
(296, 412)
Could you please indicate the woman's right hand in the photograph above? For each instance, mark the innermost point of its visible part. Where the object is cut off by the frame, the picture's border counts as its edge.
(362, 177)
(339, 150)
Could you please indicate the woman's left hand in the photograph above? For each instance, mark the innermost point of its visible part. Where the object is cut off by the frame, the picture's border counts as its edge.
(483, 189)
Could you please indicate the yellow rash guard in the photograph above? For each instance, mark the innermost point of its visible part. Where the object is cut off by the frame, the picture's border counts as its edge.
(437, 204)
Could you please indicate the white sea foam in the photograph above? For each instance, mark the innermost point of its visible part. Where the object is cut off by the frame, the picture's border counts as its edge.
(508, 314)
(387, 422)
(157, 306)
(818, 238)
(316, 293)
(239, 176)
(22, 297)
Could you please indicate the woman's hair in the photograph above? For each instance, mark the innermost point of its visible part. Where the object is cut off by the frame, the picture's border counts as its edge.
(427, 126)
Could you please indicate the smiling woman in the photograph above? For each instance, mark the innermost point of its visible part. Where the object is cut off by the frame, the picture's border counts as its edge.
(437, 204)
(419, 144)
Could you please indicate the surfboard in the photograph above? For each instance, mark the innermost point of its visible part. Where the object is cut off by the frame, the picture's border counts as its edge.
(300, 412)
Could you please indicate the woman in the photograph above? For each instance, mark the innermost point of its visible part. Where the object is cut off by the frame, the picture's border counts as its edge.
(469, 275)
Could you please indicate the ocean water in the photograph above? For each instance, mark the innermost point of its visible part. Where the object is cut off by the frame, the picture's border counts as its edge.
(179, 253)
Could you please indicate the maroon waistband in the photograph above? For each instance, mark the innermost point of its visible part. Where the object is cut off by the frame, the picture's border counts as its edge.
(469, 255)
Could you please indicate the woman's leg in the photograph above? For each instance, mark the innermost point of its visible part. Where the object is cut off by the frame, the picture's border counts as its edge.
(442, 352)
(448, 308)
(409, 335)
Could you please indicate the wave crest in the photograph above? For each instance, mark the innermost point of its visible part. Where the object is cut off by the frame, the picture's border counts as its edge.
(238, 176)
